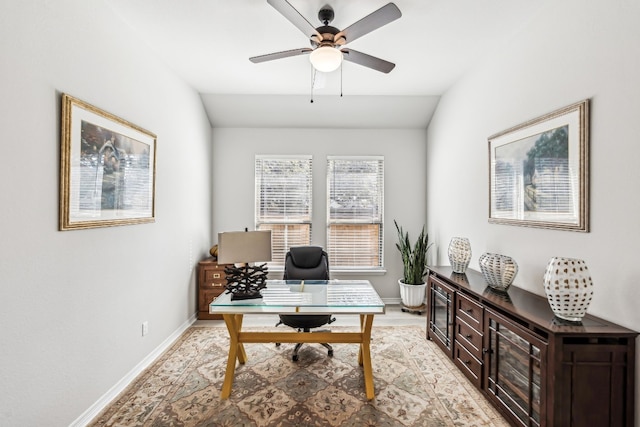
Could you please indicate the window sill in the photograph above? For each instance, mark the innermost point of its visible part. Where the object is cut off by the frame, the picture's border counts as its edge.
(359, 272)
(344, 272)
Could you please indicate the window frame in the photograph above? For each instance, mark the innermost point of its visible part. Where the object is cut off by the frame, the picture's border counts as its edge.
(262, 223)
(379, 268)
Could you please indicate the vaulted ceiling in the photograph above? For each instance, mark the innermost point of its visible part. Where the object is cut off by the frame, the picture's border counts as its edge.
(209, 42)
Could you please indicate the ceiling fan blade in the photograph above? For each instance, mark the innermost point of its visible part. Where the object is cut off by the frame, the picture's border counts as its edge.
(368, 60)
(289, 12)
(278, 55)
(373, 21)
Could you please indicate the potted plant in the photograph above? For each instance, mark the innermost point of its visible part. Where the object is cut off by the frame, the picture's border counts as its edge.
(412, 284)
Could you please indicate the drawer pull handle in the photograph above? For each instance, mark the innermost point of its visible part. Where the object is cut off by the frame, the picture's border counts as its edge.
(468, 336)
(467, 362)
(216, 275)
(487, 351)
(469, 310)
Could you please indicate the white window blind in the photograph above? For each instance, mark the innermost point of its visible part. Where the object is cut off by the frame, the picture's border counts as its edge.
(283, 202)
(355, 211)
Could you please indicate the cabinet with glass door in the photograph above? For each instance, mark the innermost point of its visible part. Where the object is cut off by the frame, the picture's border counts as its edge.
(440, 324)
(513, 358)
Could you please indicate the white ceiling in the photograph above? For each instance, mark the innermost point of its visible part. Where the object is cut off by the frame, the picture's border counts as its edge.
(208, 43)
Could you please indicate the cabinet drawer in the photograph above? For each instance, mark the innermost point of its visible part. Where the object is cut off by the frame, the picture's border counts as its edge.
(470, 311)
(213, 282)
(214, 276)
(213, 285)
(469, 365)
(206, 297)
(469, 338)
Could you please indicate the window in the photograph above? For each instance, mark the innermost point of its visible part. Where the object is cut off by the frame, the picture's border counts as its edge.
(355, 191)
(283, 202)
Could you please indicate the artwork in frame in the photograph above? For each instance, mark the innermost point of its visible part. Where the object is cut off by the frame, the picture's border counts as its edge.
(539, 171)
(107, 169)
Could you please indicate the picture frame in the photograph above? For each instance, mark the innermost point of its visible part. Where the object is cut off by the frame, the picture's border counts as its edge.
(539, 171)
(107, 169)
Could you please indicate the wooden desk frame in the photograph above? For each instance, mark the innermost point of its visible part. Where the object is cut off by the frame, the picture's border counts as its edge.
(239, 338)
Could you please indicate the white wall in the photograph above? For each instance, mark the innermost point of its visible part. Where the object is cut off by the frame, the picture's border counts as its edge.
(72, 303)
(575, 50)
(404, 151)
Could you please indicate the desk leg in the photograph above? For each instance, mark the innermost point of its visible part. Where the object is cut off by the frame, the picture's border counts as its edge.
(364, 356)
(236, 351)
(362, 317)
(242, 355)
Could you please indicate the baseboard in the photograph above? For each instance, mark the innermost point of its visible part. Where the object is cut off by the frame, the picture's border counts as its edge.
(119, 387)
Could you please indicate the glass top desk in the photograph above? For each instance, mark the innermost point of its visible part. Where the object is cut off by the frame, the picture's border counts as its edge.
(356, 297)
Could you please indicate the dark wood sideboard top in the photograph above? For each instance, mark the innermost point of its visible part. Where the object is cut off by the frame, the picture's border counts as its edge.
(527, 306)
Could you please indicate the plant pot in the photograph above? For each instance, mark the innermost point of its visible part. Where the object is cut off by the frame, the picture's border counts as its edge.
(412, 296)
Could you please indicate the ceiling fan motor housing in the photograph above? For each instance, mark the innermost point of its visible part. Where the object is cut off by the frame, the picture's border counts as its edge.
(326, 15)
(328, 37)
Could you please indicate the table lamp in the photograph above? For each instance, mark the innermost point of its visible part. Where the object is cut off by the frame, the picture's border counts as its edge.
(240, 248)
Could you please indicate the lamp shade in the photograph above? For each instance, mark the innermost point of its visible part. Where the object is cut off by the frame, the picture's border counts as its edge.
(326, 59)
(244, 246)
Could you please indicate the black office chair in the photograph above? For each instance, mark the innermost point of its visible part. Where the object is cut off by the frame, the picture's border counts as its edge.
(306, 263)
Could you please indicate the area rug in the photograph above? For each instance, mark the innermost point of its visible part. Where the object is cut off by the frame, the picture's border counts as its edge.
(415, 385)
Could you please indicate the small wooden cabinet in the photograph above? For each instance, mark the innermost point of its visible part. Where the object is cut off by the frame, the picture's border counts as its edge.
(536, 369)
(211, 283)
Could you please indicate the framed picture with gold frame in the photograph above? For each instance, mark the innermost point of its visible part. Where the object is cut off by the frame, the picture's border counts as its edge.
(539, 171)
(107, 169)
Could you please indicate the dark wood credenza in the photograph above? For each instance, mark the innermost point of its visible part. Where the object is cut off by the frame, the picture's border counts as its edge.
(536, 369)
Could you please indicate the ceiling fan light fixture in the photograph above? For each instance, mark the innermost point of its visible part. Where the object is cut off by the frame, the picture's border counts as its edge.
(326, 59)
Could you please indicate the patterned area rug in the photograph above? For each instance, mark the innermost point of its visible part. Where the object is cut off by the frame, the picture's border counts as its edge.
(415, 385)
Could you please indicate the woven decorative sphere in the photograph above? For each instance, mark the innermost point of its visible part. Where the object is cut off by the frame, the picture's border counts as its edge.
(459, 254)
(498, 270)
(569, 288)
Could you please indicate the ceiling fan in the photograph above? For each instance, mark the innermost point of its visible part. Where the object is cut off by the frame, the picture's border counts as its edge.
(328, 42)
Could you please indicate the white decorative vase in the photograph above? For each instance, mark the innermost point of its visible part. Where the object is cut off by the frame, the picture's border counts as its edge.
(412, 296)
(569, 288)
(498, 270)
(459, 254)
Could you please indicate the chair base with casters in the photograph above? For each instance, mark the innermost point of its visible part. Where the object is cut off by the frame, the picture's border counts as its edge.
(306, 263)
(305, 324)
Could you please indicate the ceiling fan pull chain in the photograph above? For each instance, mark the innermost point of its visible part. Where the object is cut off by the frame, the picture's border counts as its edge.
(313, 81)
(340, 80)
